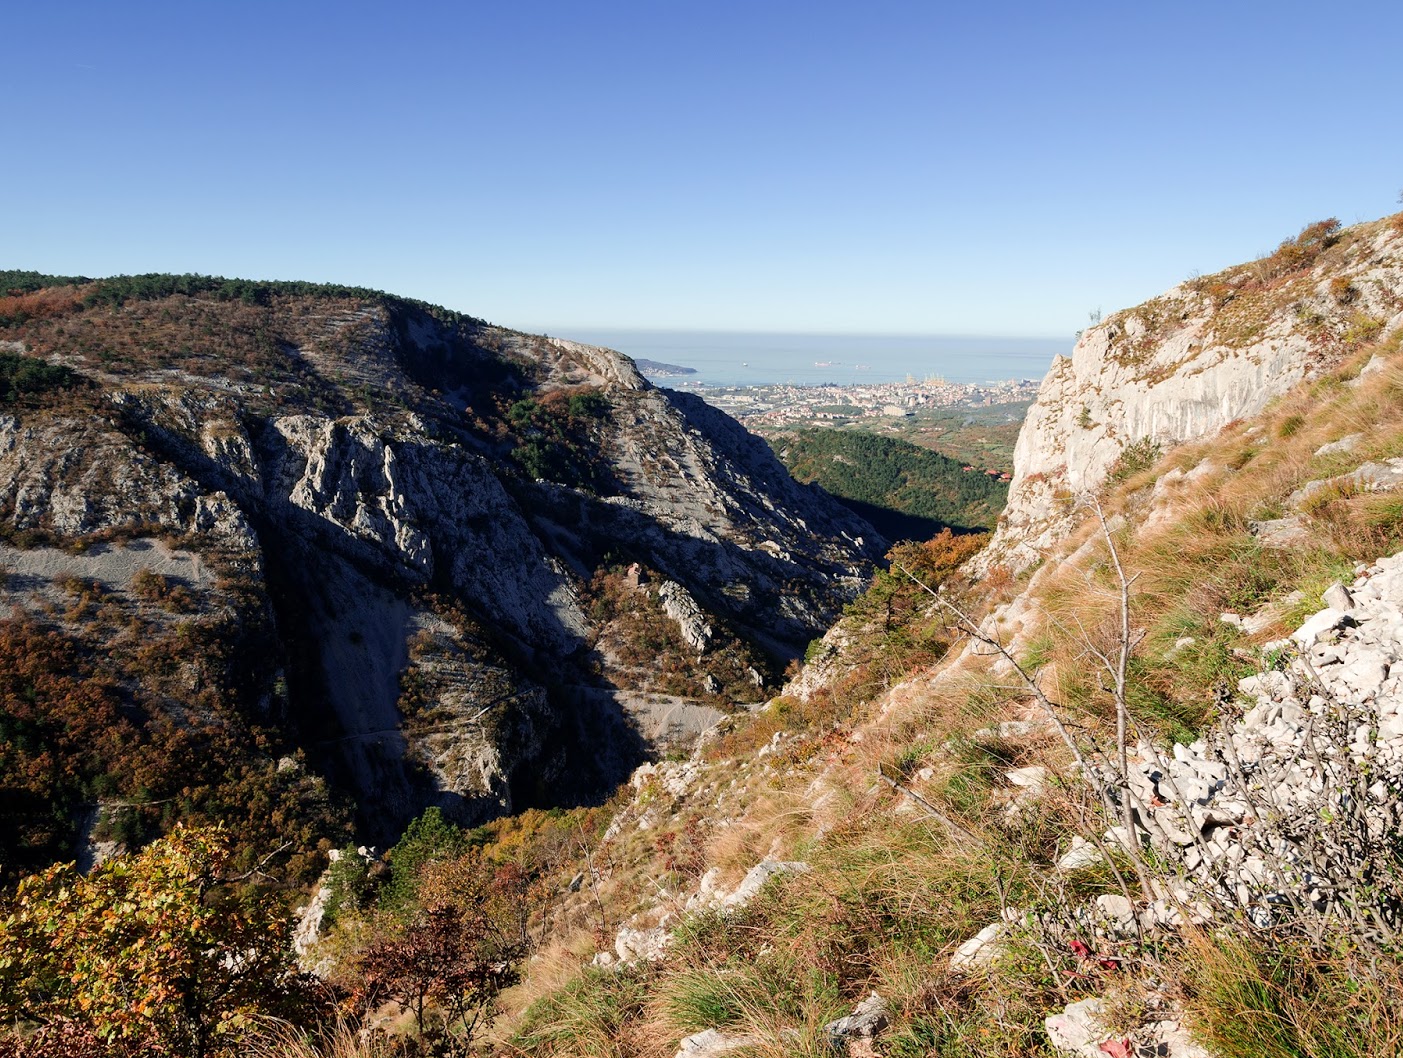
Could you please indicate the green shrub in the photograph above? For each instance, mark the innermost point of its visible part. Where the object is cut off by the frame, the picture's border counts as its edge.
(25, 375)
(1135, 457)
(428, 838)
(347, 883)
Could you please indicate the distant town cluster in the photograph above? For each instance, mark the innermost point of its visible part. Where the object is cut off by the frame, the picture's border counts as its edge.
(788, 404)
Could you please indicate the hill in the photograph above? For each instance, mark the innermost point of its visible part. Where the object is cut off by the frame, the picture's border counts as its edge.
(904, 491)
(295, 555)
(1125, 781)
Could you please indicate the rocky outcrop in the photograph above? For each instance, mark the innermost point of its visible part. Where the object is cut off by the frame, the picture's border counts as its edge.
(601, 364)
(355, 473)
(682, 608)
(1276, 811)
(1184, 365)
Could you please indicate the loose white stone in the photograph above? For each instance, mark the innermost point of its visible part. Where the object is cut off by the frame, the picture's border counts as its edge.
(1081, 855)
(980, 950)
(1033, 777)
(1325, 621)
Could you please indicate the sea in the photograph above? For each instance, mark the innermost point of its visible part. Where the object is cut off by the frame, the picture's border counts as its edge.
(735, 358)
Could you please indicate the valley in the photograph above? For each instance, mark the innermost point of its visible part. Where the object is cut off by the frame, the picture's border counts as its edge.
(485, 699)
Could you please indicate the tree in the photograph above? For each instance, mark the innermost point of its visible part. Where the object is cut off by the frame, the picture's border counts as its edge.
(150, 952)
(450, 962)
(446, 971)
(428, 837)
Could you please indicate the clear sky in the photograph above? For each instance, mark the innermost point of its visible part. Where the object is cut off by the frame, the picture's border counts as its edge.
(982, 168)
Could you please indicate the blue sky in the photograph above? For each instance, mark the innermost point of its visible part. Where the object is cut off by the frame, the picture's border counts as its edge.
(996, 168)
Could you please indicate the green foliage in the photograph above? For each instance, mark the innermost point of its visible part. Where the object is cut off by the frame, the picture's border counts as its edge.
(22, 282)
(348, 885)
(427, 838)
(22, 376)
(587, 405)
(1135, 457)
(905, 491)
(900, 591)
(559, 436)
(118, 290)
(891, 627)
(149, 949)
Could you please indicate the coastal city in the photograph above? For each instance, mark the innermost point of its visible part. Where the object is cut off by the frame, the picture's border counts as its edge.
(785, 404)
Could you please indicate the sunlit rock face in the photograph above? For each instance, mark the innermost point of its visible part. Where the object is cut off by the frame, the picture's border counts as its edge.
(1184, 365)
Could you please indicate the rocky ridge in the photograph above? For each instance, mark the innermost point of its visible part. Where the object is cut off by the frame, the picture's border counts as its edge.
(1210, 351)
(418, 503)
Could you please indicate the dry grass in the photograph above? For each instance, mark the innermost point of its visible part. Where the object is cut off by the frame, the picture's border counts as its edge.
(1248, 1000)
(279, 1040)
(895, 885)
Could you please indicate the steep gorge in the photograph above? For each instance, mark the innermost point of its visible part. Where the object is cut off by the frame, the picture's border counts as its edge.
(913, 816)
(416, 509)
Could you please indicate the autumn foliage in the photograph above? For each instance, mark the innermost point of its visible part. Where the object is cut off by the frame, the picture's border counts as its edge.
(150, 953)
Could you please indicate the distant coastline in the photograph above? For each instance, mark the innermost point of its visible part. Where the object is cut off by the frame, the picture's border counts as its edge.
(725, 358)
(654, 369)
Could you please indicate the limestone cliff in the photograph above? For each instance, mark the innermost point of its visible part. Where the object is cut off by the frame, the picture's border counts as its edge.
(431, 513)
(1183, 365)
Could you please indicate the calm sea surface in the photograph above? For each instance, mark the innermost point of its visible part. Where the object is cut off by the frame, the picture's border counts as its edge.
(728, 358)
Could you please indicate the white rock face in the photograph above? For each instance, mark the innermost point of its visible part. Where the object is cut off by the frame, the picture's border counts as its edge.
(603, 364)
(681, 607)
(1169, 371)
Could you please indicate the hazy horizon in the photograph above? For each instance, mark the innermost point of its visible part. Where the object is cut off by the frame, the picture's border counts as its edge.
(781, 167)
(731, 358)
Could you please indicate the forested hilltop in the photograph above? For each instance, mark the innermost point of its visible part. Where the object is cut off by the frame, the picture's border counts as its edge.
(906, 492)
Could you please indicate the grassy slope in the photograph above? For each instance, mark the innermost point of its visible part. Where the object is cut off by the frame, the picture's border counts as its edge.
(894, 887)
